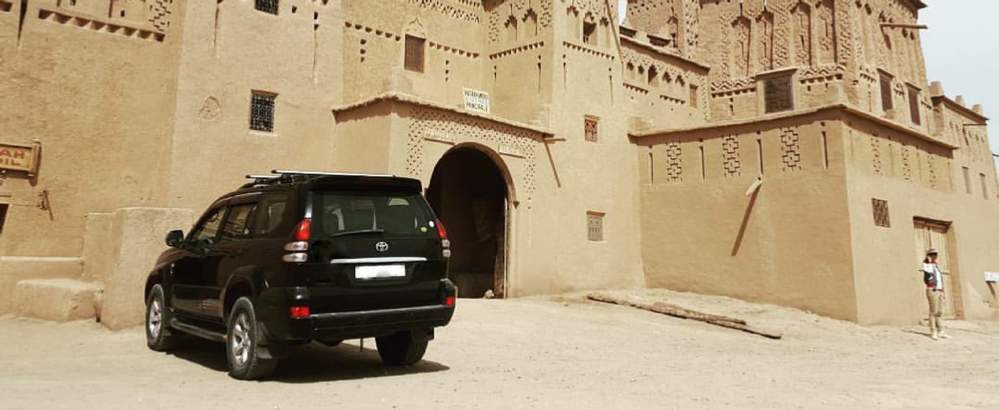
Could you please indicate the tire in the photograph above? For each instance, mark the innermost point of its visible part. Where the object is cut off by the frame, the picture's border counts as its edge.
(241, 339)
(159, 336)
(400, 349)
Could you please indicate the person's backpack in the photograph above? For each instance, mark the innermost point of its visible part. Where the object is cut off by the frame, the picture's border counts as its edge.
(929, 278)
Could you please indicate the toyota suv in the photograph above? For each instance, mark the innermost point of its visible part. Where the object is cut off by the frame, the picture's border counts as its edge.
(295, 257)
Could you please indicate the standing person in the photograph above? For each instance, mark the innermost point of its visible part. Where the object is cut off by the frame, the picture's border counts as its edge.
(933, 279)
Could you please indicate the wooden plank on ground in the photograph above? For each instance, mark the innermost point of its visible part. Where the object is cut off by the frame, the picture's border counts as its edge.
(684, 313)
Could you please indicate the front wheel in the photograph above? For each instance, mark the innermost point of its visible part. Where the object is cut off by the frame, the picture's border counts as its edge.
(159, 336)
(400, 349)
(241, 344)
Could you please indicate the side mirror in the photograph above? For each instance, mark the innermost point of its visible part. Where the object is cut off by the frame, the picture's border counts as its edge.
(175, 238)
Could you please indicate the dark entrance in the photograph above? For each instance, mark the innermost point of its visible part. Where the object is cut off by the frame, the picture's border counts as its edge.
(469, 194)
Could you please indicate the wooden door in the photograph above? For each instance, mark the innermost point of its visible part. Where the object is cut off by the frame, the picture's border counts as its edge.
(931, 234)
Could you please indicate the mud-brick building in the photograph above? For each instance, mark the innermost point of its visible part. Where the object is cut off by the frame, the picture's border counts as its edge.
(785, 151)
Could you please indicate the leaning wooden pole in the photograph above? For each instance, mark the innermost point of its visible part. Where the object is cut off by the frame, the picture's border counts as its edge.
(684, 313)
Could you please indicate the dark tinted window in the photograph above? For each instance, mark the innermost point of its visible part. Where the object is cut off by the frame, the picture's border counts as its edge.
(395, 214)
(274, 216)
(236, 224)
(209, 227)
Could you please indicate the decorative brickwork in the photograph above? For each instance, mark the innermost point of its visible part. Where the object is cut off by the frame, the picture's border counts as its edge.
(674, 165)
(876, 161)
(429, 121)
(790, 149)
(730, 155)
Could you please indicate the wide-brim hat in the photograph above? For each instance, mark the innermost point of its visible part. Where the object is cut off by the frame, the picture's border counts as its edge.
(931, 251)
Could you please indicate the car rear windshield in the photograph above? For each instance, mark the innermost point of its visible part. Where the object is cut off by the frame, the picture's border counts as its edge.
(348, 213)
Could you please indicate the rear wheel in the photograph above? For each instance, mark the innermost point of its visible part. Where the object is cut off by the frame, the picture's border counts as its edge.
(241, 341)
(400, 349)
(159, 336)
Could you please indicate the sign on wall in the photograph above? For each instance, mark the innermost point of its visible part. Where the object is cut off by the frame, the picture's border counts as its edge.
(476, 101)
(15, 157)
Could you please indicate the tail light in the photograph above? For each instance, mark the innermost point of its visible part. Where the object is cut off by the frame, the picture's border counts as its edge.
(445, 242)
(300, 245)
(450, 301)
(302, 230)
(441, 230)
(299, 312)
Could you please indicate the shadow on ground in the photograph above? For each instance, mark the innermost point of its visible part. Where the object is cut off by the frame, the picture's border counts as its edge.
(312, 363)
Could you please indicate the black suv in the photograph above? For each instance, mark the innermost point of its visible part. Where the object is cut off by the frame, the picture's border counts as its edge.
(296, 257)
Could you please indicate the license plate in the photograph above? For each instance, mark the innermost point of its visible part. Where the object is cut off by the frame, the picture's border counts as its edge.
(379, 272)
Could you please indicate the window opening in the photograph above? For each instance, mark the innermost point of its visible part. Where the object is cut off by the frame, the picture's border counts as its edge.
(887, 102)
(914, 105)
(262, 111)
(267, 6)
(595, 226)
(967, 179)
(985, 186)
(3, 215)
(778, 94)
(881, 217)
(591, 128)
(415, 53)
(590, 32)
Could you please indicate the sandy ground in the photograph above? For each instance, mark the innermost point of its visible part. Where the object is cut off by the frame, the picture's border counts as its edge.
(553, 352)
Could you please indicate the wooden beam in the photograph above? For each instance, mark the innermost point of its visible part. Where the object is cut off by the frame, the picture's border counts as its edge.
(901, 25)
(684, 313)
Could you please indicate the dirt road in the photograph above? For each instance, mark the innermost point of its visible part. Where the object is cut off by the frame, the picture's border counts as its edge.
(529, 353)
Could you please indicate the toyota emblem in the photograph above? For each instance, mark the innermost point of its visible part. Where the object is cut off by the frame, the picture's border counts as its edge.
(381, 246)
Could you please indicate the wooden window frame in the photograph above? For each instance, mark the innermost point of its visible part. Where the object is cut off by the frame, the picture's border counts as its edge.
(415, 54)
(589, 136)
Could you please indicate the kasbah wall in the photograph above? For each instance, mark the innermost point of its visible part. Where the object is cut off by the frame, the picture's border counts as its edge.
(792, 153)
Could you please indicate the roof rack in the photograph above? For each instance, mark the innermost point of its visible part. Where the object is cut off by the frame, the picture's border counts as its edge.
(317, 173)
(285, 176)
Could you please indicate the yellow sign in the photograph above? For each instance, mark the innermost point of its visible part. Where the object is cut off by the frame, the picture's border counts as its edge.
(24, 158)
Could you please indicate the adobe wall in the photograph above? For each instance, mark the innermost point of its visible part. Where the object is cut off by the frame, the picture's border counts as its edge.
(662, 89)
(232, 50)
(922, 180)
(598, 177)
(94, 83)
(788, 244)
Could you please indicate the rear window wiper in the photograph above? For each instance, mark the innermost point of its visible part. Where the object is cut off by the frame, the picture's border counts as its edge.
(357, 232)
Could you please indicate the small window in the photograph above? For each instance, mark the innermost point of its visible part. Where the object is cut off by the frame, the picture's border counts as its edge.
(590, 33)
(595, 226)
(881, 217)
(267, 6)
(985, 186)
(967, 179)
(415, 53)
(236, 224)
(209, 228)
(914, 105)
(693, 95)
(262, 112)
(3, 215)
(778, 94)
(591, 127)
(887, 103)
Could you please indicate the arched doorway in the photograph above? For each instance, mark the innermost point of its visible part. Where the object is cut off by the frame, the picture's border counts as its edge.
(469, 193)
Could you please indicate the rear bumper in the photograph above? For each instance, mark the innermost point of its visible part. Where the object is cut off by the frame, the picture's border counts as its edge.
(334, 326)
(353, 325)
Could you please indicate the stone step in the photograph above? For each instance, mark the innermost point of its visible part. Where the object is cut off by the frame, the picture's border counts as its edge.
(14, 269)
(59, 300)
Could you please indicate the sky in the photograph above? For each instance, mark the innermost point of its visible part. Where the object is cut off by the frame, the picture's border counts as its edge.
(961, 48)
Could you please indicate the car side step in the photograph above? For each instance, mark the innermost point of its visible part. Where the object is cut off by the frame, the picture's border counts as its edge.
(197, 331)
